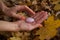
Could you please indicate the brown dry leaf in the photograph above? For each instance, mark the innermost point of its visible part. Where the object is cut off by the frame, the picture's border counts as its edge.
(14, 38)
(57, 7)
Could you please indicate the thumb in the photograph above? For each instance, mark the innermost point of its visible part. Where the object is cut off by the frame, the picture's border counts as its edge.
(37, 25)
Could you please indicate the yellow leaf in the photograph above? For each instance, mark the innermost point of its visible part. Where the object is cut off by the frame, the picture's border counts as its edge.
(49, 30)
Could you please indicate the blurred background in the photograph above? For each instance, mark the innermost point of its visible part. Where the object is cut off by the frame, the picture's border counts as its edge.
(51, 26)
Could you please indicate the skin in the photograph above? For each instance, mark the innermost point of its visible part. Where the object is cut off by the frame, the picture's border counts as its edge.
(21, 25)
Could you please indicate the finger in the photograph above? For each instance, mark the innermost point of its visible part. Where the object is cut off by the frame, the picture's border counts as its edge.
(24, 8)
(19, 16)
(30, 11)
(37, 25)
(41, 20)
(18, 7)
(44, 17)
(39, 16)
(36, 15)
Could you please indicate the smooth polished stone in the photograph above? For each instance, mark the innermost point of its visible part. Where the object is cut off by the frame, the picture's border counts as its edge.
(30, 19)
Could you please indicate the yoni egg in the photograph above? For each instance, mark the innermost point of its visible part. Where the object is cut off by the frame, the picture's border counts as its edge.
(30, 20)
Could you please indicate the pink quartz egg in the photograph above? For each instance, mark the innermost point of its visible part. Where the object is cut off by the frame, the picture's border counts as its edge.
(30, 20)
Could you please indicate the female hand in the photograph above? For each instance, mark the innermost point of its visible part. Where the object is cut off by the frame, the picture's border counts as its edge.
(13, 10)
(39, 18)
(24, 26)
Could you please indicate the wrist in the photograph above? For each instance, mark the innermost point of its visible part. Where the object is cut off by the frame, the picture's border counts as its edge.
(19, 23)
(17, 28)
(8, 26)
